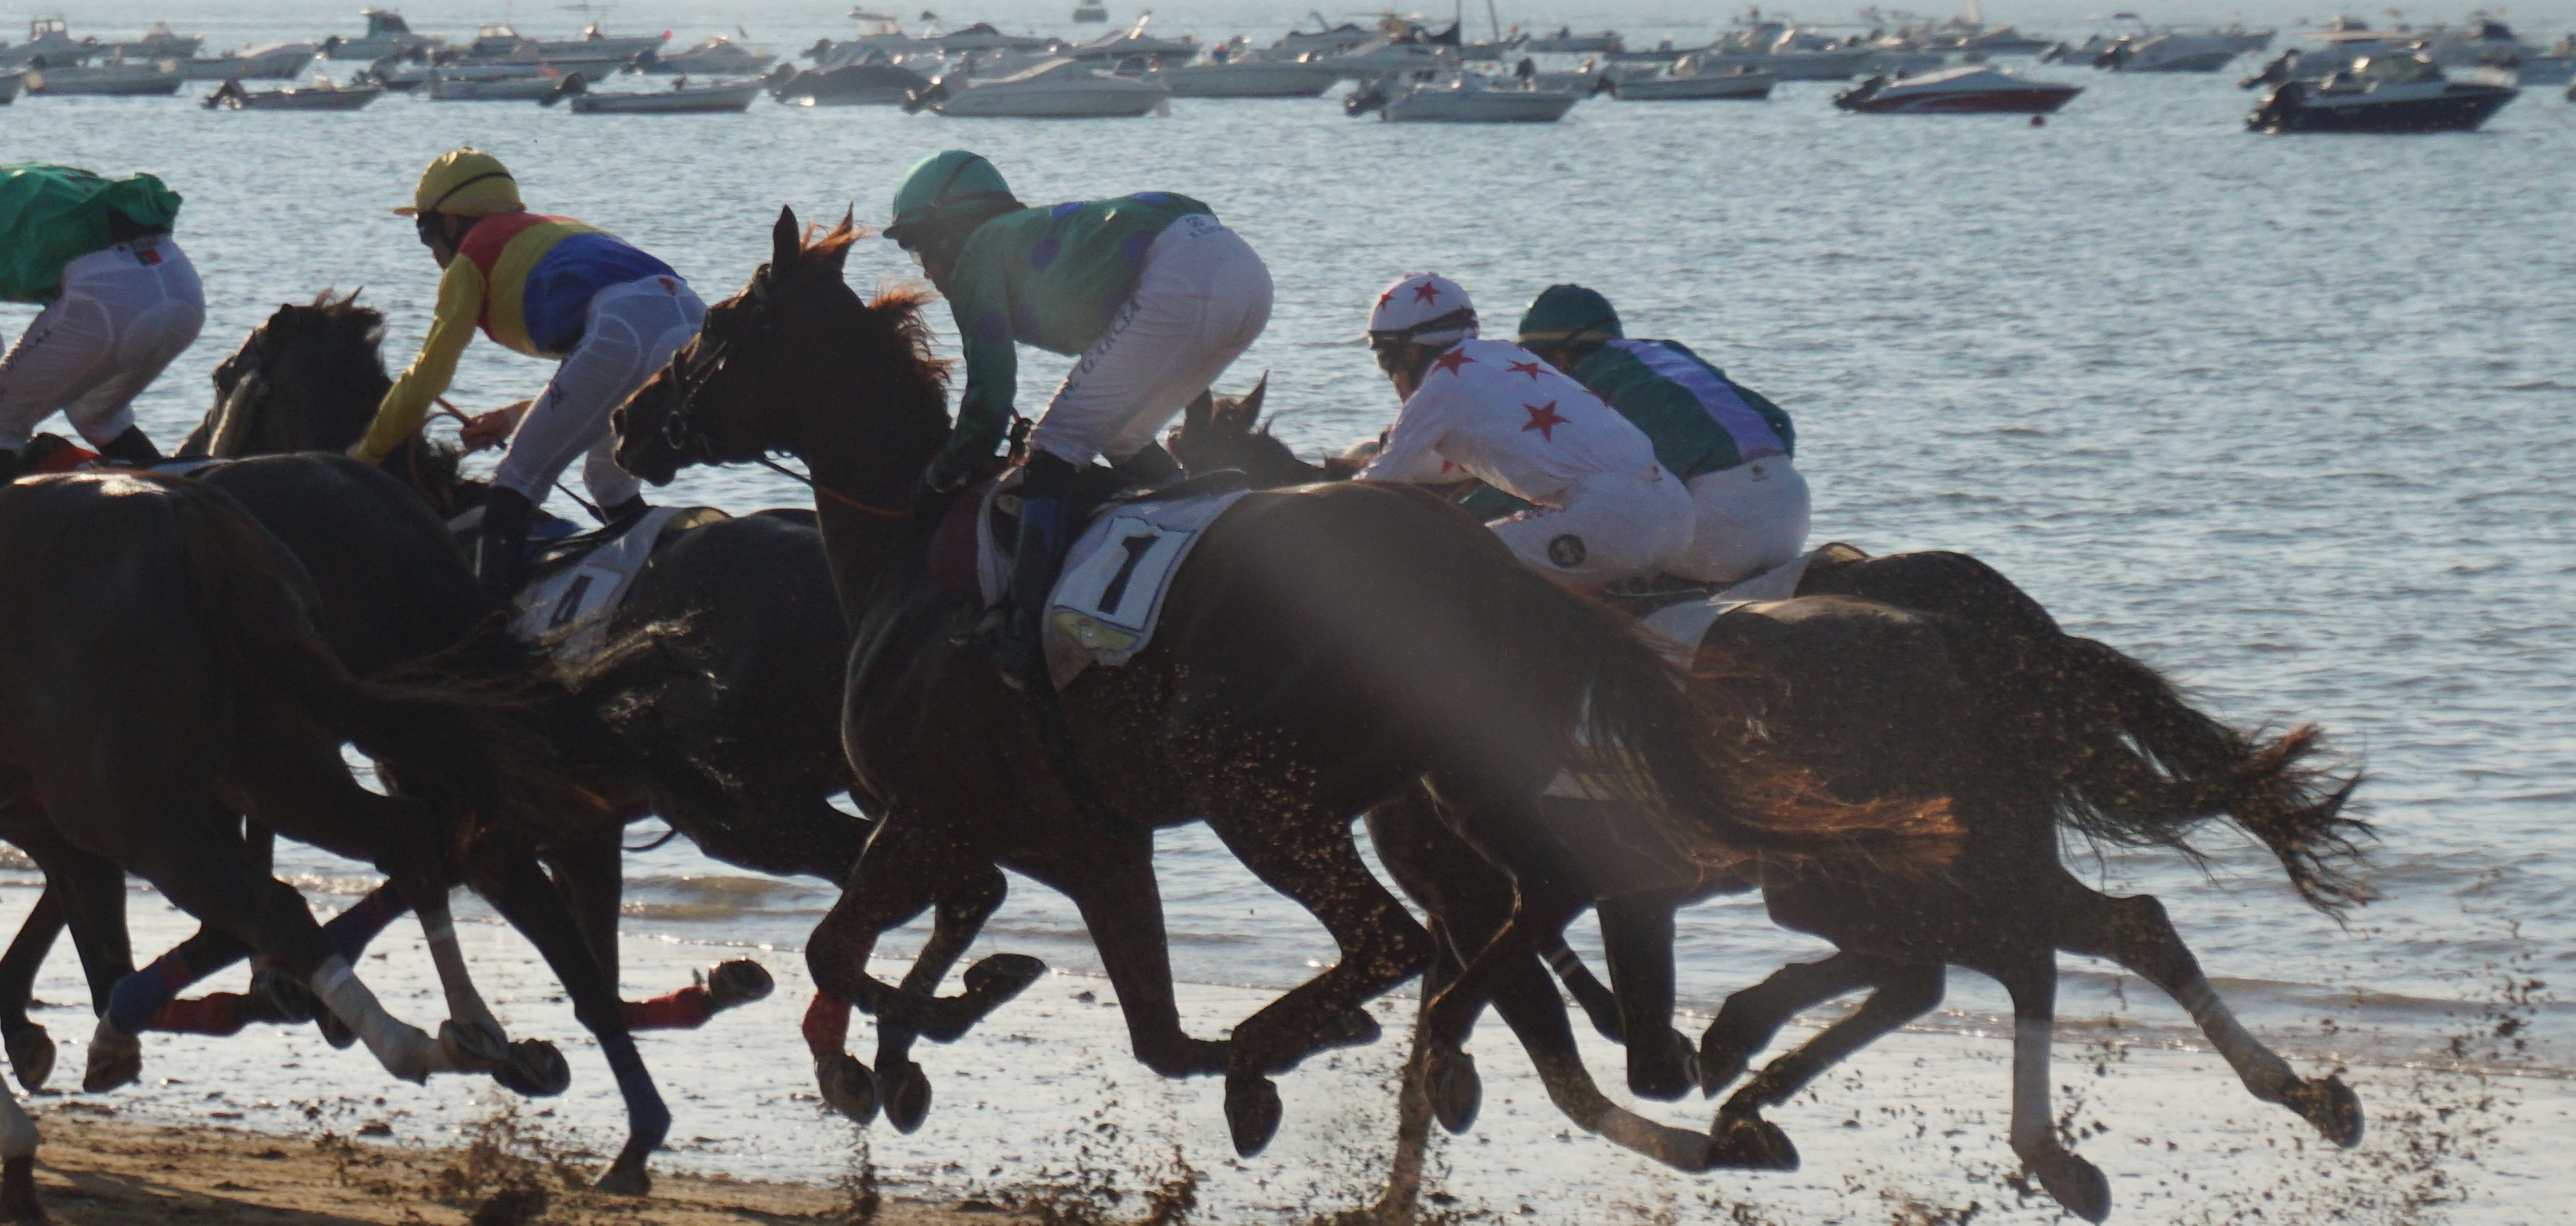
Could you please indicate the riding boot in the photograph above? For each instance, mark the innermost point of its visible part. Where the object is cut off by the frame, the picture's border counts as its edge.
(501, 555)
(132, 448)
(11, 465)
(1152, 468)
(618, 517)
(1046, 531)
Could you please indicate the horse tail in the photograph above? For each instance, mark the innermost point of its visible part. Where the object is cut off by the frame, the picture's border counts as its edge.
(2147, 768)
(1698, 769)
(470, 736)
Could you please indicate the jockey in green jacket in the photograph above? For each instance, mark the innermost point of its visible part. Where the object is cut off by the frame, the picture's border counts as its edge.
(1731, 447)
(1154, 295)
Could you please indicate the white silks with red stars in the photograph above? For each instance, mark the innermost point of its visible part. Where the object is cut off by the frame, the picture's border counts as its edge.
(1492, 410)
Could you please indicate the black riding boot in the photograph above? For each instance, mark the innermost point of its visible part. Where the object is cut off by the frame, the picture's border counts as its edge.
(132, 448)
(501, 556)
(1046, 531)
(1152, 468)
(11, 464)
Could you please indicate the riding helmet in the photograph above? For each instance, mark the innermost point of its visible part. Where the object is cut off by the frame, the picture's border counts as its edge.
(945, 186)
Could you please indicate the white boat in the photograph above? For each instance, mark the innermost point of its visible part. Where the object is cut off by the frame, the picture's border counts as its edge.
(879, 84)
(1973, 90)
(2171, 53)
(157, 43)
(1089, 14)
(981, 36)
(504, 89)
(680, 99)
(320, 96)
(1054, 89)
(10, 84)
(50, 40)
(1333, 40)
(1691, 78)
(270, 62)
(498, 40)
(1134, 43)
(406, 77)
(718, 56)
(115, 77)
(1249, 78)
(1380, 56)
(387, 35)
(1567, 42)
(1462, 97)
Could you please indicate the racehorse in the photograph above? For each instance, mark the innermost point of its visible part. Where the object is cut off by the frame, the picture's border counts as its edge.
(168, 663)
(1319, 651)
(1887, 685)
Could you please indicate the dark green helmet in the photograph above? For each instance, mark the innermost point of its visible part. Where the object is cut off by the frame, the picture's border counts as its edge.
(1568, 315)
(946, 185)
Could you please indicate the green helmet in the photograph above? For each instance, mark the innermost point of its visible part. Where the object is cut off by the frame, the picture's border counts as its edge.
(1566, 315)
(946, 185)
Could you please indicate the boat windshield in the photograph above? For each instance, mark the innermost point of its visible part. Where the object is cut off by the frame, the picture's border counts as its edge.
(2398, 69)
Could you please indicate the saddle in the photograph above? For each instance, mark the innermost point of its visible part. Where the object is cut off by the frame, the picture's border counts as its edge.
(577, 580)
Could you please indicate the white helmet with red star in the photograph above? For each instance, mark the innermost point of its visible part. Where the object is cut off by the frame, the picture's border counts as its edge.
(1422, 308)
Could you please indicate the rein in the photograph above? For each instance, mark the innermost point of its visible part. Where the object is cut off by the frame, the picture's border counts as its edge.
(828, 492)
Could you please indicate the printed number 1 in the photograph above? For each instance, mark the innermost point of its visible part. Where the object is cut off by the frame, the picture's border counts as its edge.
(1137, 546)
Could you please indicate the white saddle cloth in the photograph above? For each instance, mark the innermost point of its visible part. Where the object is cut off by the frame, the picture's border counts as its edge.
(567, 611)
(1110, 592)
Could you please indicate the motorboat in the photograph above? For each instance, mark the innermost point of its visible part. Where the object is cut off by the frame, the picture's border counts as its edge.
(495, 89)
(1327, 40)
(1246, 75)
(10, 84)
(717, 57)
(1383, 55)
(408, 77)
(981, 36)
(2484, 42)
(2382, 93)
(113, 78)
(1691, 78)
(157, 43)
(1135, 44)
(878, 84)
(1461, 97)
(2171, 53)
(319, 96)
(1567, 42)
(270, 62)
(681, 99)
(387, 35)
(1057, 88)
(50, 40)
(1976, 89)
(497, 40)
(1090, 14)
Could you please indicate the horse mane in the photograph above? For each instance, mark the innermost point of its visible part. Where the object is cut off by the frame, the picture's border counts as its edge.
(899, 304)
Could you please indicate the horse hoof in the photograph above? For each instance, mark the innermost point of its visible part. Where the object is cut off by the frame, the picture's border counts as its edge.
(738, 982)
(625, 1177)
(1002, 976)
(279, 998)
(114, 1060)
(848, 1086)
(2330, 1105)
(1747, 1142)
(31, 1053)
(1252, 1113)
(472, 1046)
(906, 1090)
(1457, 1093)
(334, 1031)
(1661, 1071)
(18, 1190)
(2078, 1185)
(532, 1068)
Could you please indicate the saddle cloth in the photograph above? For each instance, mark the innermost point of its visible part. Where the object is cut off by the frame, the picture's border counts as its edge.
(567, 607)
(1110, 592)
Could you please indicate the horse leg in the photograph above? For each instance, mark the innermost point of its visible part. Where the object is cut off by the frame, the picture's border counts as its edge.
(1747, 1021)
(956, 919)
(589, 872)
(1600, 1004)
(1637, 942)
(1905, 991)
(1306, 853)
(2077, 1184)
(2136, 933)
(31, 1050)
(522, 893)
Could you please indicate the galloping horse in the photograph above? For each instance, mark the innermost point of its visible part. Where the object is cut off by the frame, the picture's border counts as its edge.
(1887, 685)
(1319, 652)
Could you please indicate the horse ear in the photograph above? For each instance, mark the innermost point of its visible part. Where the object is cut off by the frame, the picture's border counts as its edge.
(1250, 405)
(784, 243)
(1197, 415)
(840, 251)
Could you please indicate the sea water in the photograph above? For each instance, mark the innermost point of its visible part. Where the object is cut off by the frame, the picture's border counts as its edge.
(2288, 418)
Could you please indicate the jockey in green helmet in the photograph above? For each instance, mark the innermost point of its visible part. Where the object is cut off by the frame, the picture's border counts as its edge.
(1152, 294)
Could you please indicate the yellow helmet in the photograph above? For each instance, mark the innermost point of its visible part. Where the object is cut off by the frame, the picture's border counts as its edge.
(467, 183)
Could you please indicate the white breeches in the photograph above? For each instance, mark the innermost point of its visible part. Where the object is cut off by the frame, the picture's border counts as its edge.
(1751, 518)
(1202, 298)
(123, 315)
(1613, 526)
(631, 332)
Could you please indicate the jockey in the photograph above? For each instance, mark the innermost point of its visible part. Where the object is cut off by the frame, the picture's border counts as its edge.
(1152, 292)
(1730, 446)
(1606, 511)
(121, 300)
(548, 287)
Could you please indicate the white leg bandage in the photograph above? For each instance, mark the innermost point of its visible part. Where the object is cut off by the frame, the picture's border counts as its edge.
(403, 1049)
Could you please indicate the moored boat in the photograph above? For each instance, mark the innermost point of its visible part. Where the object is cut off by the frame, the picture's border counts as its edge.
(1249, 78)
(495, 89)
(1693, 78)
(2382, 93)
(114, 78)
(1053, 89)
(878, 84)
(387, 35)
(320, 96)
(1462, 97)
(10, 84)
(269, 62)
(50, 40)
(681, 99)
(718, 56)
(1973, 90)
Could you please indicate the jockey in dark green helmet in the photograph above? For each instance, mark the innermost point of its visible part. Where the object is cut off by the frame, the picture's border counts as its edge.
(1729, 445)
(1150, 291)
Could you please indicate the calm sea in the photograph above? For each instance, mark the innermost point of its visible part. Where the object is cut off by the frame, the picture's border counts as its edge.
(2289, 418)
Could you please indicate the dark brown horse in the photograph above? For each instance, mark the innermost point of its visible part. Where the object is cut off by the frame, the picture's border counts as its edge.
(167, 664)
(1320, 651)
(1969, 691)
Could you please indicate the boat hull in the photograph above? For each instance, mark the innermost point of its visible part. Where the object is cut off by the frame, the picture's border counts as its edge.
(2461, 108)
(64, 82)
(9, 85)
(1744, 86)
(306, 100)
(512, 89)
(1251, 80)
(731, 98)
(1480, 106)
(1020, 102)
(2030, 100)
(2203, 61)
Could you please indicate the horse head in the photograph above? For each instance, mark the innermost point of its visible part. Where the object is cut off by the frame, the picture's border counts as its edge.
(796, 362)
(308, 379)
(1222, 432)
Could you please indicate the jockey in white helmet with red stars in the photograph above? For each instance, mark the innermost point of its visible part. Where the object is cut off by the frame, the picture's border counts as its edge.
(1606, 512)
